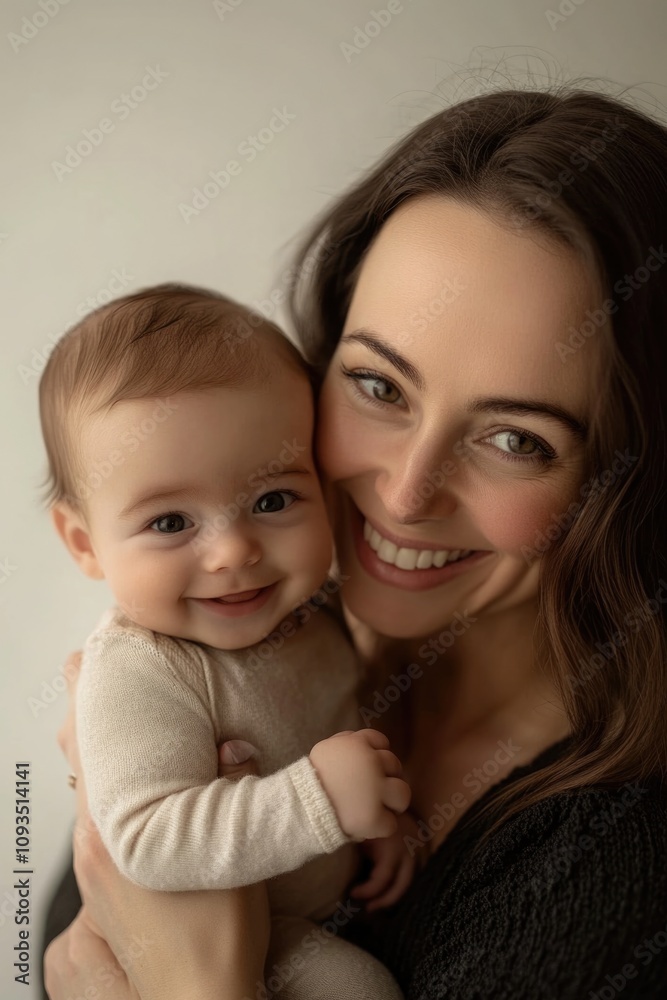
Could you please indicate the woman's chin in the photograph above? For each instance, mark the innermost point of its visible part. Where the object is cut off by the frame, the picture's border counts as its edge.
(384, 610)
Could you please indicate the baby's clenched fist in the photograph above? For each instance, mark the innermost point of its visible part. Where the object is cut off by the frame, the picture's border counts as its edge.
(361, 776)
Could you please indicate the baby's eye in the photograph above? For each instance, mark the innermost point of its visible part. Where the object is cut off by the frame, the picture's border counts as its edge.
(169, 524)
(272, 503)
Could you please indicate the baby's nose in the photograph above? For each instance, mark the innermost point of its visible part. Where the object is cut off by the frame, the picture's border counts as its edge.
(228, 549)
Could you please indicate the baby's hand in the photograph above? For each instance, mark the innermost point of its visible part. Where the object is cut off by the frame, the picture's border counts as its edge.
(361, 777)
(394, 866)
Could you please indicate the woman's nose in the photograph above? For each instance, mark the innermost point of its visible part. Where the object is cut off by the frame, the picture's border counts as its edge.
(413, 487)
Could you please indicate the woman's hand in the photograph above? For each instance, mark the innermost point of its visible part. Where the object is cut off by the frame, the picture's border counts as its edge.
(80, 963)
(144, 944)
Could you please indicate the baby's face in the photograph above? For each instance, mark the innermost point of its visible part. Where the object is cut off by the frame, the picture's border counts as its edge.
(209, 494)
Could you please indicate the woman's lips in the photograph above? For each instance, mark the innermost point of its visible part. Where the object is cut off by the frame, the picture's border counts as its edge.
(404, 579)
(237, 605)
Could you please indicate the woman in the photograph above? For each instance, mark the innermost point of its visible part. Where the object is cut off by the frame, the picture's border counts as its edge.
(488, 311)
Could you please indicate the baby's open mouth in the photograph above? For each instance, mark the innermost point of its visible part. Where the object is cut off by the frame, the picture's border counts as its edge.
(242, 595)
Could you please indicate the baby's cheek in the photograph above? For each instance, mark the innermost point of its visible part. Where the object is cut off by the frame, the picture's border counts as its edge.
(513, 518)
(144, 586)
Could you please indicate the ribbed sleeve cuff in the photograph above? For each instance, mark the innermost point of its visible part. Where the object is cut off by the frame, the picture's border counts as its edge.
(318, 805)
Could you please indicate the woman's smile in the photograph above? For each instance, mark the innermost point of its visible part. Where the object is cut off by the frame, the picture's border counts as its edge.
(374, 561)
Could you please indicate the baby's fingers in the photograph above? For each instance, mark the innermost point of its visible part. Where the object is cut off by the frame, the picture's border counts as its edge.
(391, 765)
(396, 794)
(381, 877)
(401, 881)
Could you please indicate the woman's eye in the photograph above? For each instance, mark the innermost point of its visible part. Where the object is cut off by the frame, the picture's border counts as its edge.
(169, 524)
(518, 444)
(382, 391)
(273, 503)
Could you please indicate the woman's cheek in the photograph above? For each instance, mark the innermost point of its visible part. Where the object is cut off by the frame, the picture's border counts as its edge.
(519, 514)
(341, 443)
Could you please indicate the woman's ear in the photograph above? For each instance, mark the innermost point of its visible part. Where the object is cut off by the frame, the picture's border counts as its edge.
(74, 532)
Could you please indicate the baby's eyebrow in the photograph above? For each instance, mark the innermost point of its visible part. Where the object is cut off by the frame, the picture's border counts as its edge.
(286, 472)
(158, 497)
(161, 496)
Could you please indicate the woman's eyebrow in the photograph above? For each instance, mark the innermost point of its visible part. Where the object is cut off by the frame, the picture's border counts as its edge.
(522, 407)
(383, 350)
(487, 404)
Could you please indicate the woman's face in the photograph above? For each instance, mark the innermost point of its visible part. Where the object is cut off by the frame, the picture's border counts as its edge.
(449, 423)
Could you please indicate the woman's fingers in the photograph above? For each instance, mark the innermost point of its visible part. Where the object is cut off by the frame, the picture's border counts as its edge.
(236, 758)
(66, 733)
(78, 960)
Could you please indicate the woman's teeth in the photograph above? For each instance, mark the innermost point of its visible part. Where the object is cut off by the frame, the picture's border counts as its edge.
(410, 558)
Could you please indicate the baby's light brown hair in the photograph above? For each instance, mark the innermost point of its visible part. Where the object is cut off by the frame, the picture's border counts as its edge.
(156, 342)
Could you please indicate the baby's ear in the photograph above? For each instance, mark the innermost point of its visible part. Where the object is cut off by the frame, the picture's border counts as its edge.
(74, 532)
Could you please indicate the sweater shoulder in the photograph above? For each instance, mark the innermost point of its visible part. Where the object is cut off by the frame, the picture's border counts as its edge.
(562, 895)
(609, 837)
(118, 641)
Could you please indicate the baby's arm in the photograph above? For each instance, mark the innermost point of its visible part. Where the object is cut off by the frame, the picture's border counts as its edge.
(149, 758)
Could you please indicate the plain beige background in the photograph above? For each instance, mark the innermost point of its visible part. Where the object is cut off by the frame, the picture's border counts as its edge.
(69, 236)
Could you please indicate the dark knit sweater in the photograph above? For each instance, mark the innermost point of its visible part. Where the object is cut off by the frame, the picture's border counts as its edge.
(568, 901)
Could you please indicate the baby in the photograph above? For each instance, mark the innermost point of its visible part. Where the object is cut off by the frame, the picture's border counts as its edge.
(180, 469)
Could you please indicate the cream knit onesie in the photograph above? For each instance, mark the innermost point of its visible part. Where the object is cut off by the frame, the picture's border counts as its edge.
(150, 711)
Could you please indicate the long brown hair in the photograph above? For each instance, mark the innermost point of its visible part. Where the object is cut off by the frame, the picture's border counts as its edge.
(590, 172)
